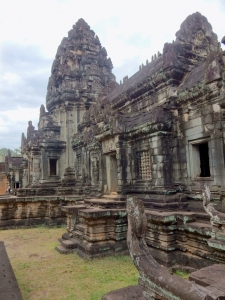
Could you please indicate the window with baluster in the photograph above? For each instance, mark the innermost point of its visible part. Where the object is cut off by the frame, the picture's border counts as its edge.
(144, 165)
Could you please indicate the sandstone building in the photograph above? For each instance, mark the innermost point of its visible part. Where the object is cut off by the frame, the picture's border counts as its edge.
(159, 134)
(80, 71)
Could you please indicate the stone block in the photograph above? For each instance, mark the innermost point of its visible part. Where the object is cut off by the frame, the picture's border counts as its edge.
(209, 275)
(130, 292)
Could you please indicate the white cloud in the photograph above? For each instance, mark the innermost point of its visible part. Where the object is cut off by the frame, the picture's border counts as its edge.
(131, 32)
(13, 122)
(10, 78)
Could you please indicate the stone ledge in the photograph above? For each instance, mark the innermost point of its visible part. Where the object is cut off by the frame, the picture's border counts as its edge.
(217, 244)
(96, 213)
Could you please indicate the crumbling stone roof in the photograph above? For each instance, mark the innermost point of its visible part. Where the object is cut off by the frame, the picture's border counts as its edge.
(156, 115)
(195, 41)
(138, 77)
(194, 77)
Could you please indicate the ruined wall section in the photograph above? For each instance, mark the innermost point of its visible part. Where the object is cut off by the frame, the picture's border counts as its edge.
(3, 179)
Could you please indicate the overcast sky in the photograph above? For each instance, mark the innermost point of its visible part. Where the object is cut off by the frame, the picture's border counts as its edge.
(31, 30)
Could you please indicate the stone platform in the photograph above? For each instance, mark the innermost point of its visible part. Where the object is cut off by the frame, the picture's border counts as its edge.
(175, 237)
(99, 229)
(182, 238)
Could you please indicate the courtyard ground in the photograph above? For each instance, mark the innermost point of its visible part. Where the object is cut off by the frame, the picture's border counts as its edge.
(43, 273)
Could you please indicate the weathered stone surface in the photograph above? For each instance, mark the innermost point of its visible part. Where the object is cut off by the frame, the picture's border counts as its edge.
(9, 288)
(37, 210)
(80, 71)
(217, 219)
(155, 281)
(209, 275)
(127, 293)
(159, 135)
(96, 231)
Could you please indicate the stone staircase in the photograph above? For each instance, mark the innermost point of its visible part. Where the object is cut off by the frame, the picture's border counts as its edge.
(99, 229)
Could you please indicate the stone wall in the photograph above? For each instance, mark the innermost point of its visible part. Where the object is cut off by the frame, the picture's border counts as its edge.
(31, 211)
(183, 239)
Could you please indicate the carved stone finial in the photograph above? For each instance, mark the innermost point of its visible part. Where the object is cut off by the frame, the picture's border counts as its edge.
(125, 78)
(104, 52)
(42, 111)
(30, 126)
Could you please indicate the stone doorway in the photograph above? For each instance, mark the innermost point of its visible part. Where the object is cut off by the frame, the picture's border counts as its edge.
(111, 171)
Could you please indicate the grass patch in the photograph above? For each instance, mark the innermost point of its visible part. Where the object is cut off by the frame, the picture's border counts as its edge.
(43, 273)
(182, 274)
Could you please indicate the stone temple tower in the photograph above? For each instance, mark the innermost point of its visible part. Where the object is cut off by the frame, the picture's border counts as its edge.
(79, 72)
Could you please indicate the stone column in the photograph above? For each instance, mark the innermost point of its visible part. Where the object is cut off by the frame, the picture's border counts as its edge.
(120, 170)
(25, 173)
(79, 171)
(130, 162)
(36, 168)
(95, 162)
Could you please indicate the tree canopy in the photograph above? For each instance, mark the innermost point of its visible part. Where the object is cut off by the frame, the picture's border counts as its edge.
(4, 152)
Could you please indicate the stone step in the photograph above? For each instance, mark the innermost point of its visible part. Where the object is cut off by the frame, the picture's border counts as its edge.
(163, 198)
(64, 250)
(69, 244)
(114, 197)
(212, 278)
(80, 227)
(73, 209)
(78, 234)
(166, 206)
(65, 236)
(105, 203)
(202, 217)
(200, 224)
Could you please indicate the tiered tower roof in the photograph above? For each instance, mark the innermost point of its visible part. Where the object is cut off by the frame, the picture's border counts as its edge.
(80, 70)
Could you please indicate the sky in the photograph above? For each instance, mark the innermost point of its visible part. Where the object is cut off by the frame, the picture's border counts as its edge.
(31, 31)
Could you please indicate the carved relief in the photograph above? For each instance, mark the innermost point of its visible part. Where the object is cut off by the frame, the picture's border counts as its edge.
(95, 168)
(109, 145)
